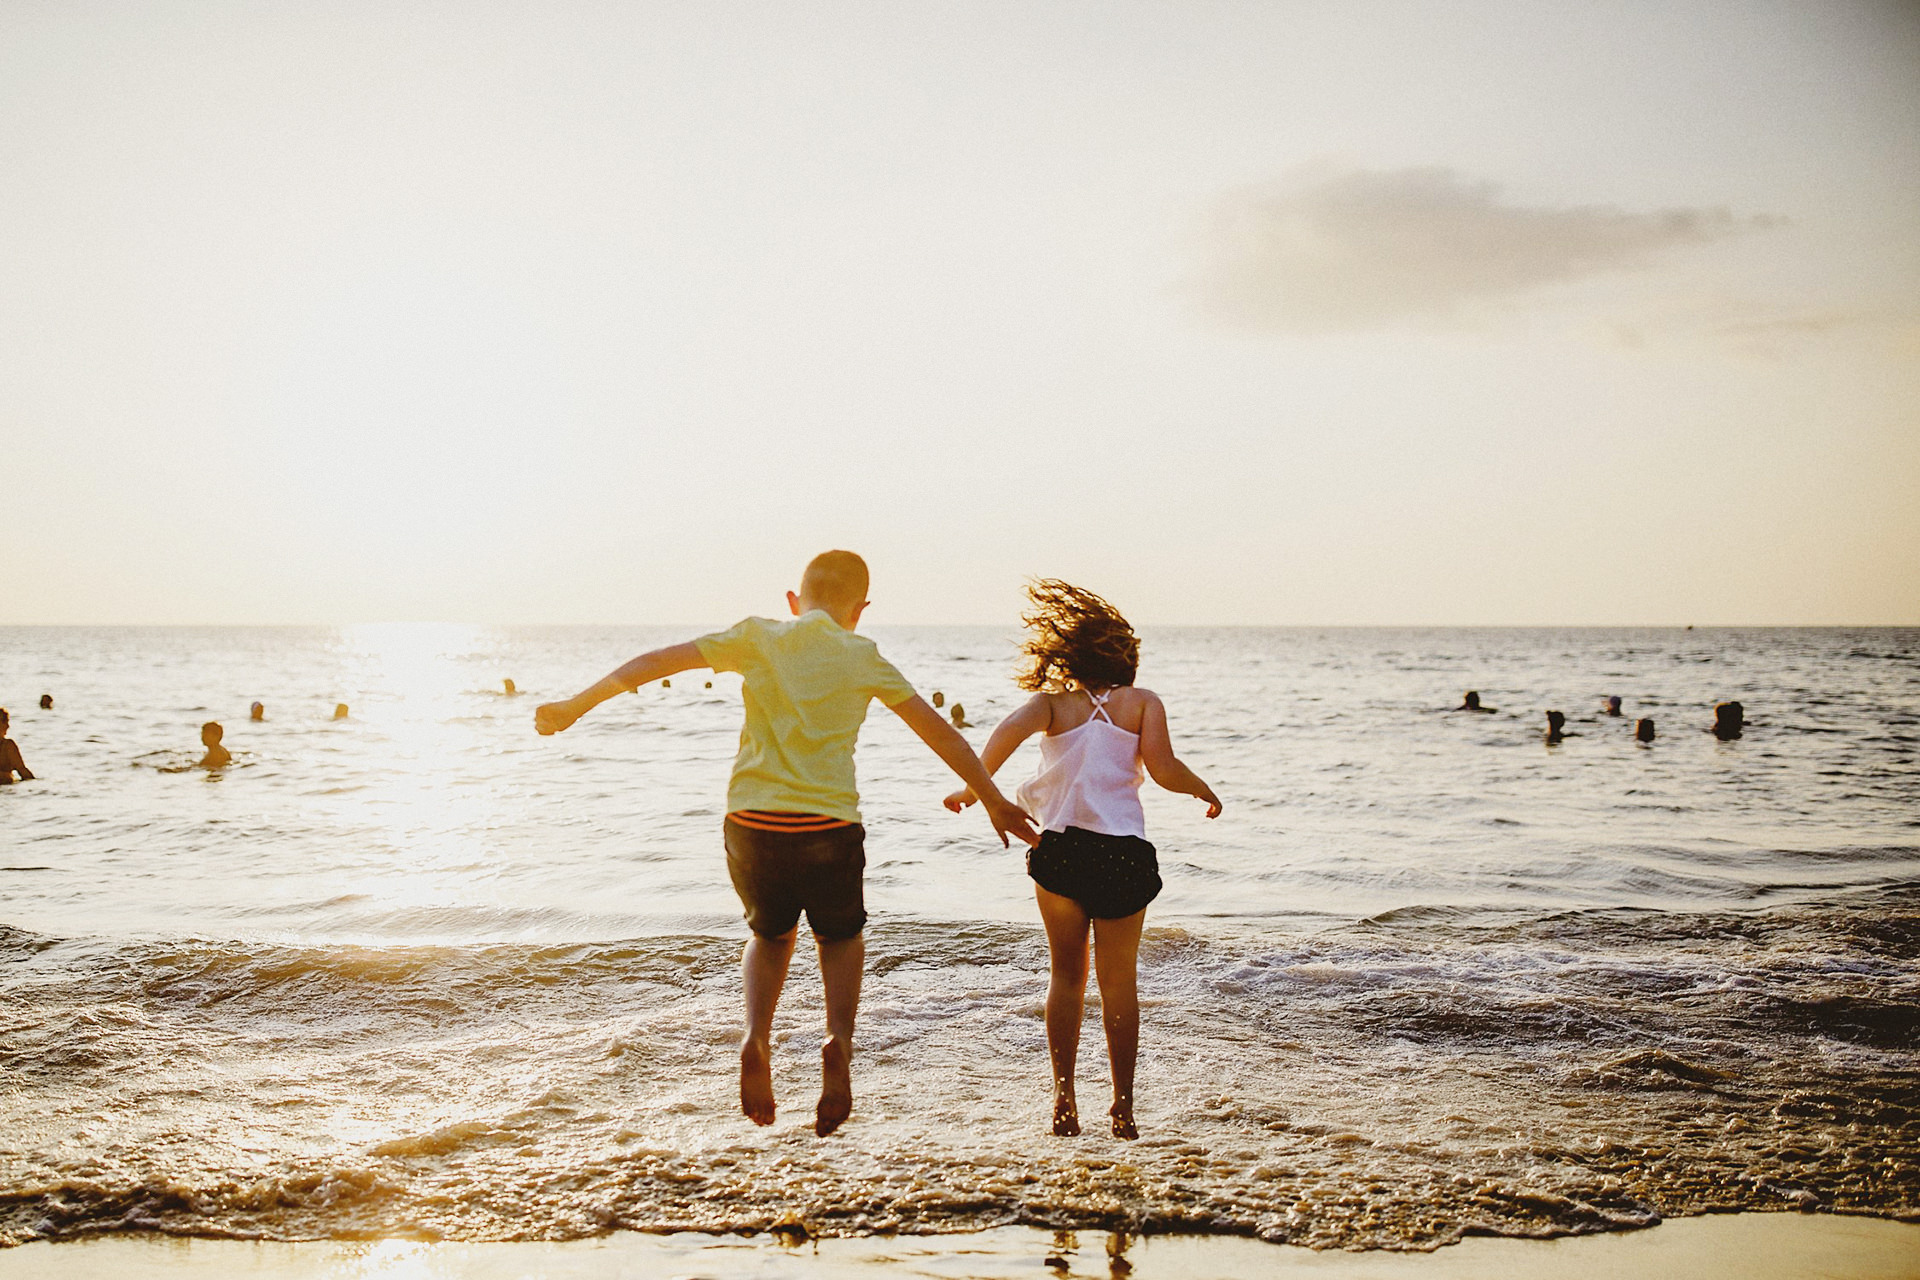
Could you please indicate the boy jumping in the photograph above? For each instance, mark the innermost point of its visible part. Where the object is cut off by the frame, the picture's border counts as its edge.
(793, 835)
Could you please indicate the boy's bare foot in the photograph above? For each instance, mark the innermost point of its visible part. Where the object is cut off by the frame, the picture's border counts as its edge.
(1066, 1116)
(1123, 1125)
(756, 1082)
(836, 1088)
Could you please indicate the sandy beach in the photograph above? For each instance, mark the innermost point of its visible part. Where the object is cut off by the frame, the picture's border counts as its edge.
(1748, 1246)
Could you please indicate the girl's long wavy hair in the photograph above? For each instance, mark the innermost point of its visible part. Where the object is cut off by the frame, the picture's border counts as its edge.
(1076, 637)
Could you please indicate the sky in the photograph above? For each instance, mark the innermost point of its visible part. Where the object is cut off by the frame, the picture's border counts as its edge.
(1237, 313)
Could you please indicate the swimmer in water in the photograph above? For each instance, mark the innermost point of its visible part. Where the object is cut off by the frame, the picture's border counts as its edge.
(46, 702)
(217, 757)
(10, 761)
(939, 698)
(257, 711)
(960, 717)
(1613, 704)
(1472, 703)
(339, 711)
(1729, 721)
(1557, 727)
(507, 686)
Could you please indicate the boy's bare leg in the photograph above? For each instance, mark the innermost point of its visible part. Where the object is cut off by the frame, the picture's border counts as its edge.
(1066, 1000)
(1116, 952)
(763, 971)
(842, 961)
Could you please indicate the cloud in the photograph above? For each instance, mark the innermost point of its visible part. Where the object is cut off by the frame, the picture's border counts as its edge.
(1331, 250)
(1757, 327)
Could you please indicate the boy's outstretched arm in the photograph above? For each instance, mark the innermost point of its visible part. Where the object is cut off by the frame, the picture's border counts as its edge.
(658, 664)
(1165, 768)
(932, 727)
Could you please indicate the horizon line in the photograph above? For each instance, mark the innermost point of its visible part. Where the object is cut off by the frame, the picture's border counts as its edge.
(1014, 625)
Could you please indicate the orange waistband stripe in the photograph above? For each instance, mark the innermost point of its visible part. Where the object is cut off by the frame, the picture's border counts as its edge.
(768, 820)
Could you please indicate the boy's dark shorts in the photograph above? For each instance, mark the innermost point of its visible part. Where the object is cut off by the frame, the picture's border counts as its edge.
(779, 874)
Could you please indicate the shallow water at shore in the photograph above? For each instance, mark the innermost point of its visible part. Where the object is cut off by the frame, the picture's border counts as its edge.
(423, 974)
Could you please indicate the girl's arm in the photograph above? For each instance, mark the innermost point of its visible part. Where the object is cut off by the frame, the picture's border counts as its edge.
(932, 728)
(1156, 752)
(658, 664)
(1033, 716)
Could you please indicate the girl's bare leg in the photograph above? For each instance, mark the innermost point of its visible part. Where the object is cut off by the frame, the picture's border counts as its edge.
(1116, 961)
(1066, 1000)
(763, 971)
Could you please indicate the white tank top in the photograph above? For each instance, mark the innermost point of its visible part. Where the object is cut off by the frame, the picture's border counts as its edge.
(1089, 778)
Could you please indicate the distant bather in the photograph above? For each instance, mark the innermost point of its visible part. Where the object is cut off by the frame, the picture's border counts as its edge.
(46, 702)
(217, 757)
(1471, 702)
(939, 698)
(1643, 731)
(1729, 720)
(339, 711)
(508, 686)
(10, 761)
(960, 717)
(1613, 704)
(1556, 726)
(257, 711)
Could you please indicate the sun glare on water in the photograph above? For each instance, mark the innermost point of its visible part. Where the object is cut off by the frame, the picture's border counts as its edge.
(419, 684)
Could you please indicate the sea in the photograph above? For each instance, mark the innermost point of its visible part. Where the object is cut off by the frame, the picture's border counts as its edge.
(419, 972)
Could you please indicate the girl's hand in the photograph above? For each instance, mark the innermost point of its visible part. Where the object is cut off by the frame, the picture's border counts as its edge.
(959, 800)
(552, 717)
(1213, 803)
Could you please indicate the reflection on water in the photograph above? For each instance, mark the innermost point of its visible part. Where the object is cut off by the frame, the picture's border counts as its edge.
(429, 816)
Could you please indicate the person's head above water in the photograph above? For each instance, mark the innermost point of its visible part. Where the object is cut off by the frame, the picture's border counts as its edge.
(508, 684)
(1613, 704)
(257, 711)
(1077, 639)
(339, 711)
(46, 702)
(834, 582)
(1556, 722)
(1471, 702)
(211, 733)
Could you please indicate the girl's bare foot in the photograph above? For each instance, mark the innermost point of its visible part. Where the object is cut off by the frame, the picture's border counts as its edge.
(1066, 1116)
(756, 1082)
(1122, 1113)
(836, 1088)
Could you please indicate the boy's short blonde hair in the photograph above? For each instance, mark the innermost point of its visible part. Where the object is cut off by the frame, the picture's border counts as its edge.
(838, 578)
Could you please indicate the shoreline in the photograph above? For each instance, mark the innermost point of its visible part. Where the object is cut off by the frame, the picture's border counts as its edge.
(1745, 1246)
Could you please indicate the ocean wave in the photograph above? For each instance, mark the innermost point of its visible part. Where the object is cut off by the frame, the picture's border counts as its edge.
(1396, 1082)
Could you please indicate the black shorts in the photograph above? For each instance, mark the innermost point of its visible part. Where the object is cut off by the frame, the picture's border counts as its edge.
(779, 874)
(1109, 876)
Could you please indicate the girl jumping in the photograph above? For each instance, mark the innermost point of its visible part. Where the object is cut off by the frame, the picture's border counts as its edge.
(1093, 870)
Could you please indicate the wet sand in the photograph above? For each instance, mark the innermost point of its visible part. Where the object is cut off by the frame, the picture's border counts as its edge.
(1748, 1246)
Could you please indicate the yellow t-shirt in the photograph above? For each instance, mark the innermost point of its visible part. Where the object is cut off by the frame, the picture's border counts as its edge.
(807, 685)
